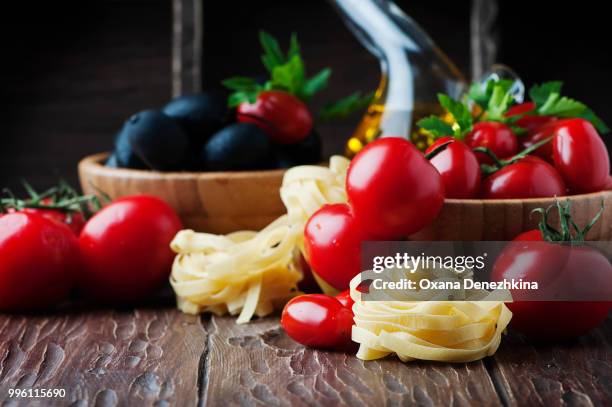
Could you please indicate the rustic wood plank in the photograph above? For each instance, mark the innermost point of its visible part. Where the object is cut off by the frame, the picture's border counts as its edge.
(575, 373)
(105, 358)
(257, 364)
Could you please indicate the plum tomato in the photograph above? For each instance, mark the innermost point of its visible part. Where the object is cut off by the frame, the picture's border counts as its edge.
(319, 321)
(558, 268)
(345, 299)
(39, 261)
(332, 240)
(158, 140)
(496, 136)
(125, 249)
(199, 115)
(392, 189)
(580, 155)
(530, 177)
(284, 117)
(307, 151)
(459, 168)
(237, 147)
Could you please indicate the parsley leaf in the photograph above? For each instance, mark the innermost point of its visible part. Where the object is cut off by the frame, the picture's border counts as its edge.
(346, 106)
(549, 102)
(499, 103)
(481, 93)
(272, 56)
(539, 94)
(561, 106)
(436, 126)
(289, 76)
(316, 83)
(460, 113)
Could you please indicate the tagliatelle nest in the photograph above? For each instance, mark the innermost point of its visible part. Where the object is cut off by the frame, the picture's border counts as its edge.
(446, 331)
(252, 273)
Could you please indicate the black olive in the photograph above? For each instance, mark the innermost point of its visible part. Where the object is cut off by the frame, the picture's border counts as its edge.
(199, 115)
(307, 151)
(158, 140)
(241, 146)
(123, 154)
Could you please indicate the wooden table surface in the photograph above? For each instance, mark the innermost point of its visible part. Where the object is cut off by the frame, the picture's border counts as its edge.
(160, 357)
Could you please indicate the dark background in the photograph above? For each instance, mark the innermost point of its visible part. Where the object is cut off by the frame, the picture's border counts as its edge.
(73, 71)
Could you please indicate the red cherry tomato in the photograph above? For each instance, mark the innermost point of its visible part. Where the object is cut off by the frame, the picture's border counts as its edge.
(556, 268)
(545, 152)
(39, 260)
(332, 240)
(318, 320)
(531, 123)
(530, 177)
(496, 136)
(393, 190)
(581, 156)
(126, 249)
(75, 220)
(459, 168)
(345, 299)
(285, 118)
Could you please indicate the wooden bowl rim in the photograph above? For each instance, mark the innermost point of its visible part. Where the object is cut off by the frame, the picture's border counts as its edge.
(93, 164)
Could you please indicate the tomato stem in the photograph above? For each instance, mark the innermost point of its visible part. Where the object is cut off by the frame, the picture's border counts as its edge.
(60, 198)
(499, 164)
(437, 150)
(551, 234)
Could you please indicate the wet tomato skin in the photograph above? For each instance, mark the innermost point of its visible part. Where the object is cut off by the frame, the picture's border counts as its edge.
(332, 240)
(496, 136)
(459, 168)
(580, 155)
(392, 189)
(284, 117)
(530, 177)
(318, 320)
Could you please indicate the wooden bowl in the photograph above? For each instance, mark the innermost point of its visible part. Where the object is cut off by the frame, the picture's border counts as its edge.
(223, 202)
(504, 219)
(215, 202)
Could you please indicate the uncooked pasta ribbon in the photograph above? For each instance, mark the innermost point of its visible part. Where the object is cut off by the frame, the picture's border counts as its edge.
(426, 329)
(252, 273)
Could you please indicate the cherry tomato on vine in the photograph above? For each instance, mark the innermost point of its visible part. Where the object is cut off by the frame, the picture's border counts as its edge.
(39, 261)
(560, 270)
(580, 155)
(459, 168)
(125, 249)
(319, 321)
(332, 240)
(496, 136)
(393, 190)
(284, 117)
(530, 177)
